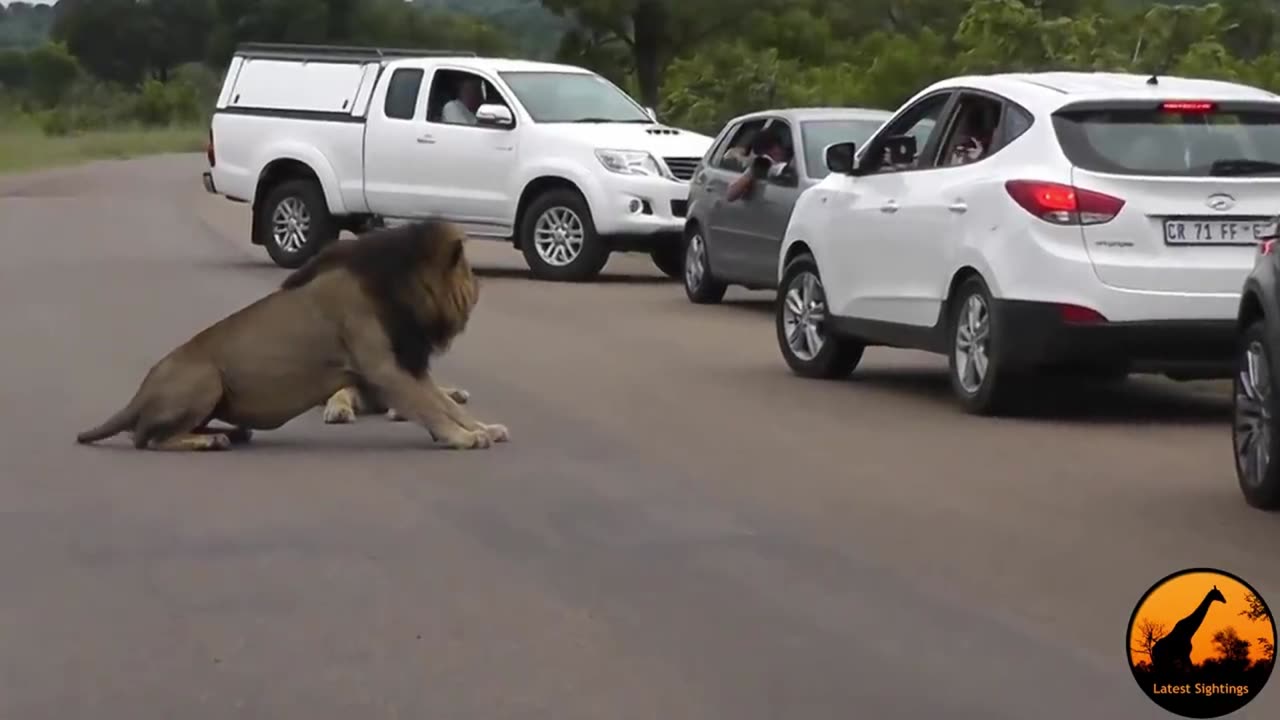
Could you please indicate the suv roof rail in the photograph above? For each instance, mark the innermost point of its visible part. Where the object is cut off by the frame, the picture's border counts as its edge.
(299, 51)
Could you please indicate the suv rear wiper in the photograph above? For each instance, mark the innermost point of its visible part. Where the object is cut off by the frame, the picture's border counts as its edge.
(1243, 166)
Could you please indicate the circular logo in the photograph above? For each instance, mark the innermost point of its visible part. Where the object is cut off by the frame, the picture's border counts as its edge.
(1201, 643)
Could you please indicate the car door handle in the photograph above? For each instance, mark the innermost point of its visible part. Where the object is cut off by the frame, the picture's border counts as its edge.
(957, 207)
(889, 207)
(426, 139)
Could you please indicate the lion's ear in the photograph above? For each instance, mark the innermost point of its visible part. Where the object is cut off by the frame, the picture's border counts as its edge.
(455, 256)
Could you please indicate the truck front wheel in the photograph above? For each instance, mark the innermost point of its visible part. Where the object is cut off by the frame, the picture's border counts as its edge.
(293, 223)
(559, 239)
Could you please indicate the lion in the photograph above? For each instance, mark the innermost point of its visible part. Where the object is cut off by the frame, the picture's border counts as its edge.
(367, 313)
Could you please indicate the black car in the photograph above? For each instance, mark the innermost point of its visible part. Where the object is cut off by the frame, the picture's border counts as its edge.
(1254, 434)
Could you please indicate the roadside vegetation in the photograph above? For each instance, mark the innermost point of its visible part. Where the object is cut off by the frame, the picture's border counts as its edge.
(69, 90)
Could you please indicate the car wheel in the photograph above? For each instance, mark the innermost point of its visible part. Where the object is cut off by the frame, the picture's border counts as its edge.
(294, 223)
(668, 257)
(559, 239)
(804, 335)
(974, 362)
(1253, 431)
(700, 286)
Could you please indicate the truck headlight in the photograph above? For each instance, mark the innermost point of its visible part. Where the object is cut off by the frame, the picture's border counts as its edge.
(629, 162)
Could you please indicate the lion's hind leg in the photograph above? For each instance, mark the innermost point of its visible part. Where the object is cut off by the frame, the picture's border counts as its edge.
(173, 417)
(342, 406)
(236, 435)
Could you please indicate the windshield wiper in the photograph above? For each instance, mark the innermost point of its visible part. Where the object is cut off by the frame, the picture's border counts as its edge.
(1243, 166)
(607, 120)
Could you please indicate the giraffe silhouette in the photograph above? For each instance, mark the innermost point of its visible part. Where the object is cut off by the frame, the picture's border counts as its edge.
(1172, 653)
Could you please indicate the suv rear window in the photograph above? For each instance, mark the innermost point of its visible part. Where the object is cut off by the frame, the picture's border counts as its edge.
(1186, 142)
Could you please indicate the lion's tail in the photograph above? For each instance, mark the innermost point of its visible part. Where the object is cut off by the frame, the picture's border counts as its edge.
(126, 418)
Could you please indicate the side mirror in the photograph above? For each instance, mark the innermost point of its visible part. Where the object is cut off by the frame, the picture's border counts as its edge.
(653, 114)
(839, 157)
(494, 116)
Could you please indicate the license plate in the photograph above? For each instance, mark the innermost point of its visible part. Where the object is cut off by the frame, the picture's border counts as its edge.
(1216, 231)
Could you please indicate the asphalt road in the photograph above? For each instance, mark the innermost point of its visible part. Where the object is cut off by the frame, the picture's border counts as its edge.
(679, 528)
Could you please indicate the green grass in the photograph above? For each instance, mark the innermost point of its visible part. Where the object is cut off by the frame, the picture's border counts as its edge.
(25, 147)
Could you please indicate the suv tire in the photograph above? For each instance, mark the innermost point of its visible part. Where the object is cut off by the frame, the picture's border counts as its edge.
(294, 223)
(800, 294)
(974, 331)
(1254, 408)
(564, 221)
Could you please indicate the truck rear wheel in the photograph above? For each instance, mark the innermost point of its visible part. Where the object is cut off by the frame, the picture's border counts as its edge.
(293, 223)
(559, 239)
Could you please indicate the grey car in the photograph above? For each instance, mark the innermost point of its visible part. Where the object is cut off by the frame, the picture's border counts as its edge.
(737, 243)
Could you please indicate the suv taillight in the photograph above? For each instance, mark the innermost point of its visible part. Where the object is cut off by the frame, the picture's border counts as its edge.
(208, 150)
(1063, 204)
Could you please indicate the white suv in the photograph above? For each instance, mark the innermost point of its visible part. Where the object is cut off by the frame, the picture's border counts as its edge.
(1084, 222)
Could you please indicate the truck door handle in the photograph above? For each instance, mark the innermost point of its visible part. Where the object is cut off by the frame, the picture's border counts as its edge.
(889, 207)
(958, 207)
(426, 139)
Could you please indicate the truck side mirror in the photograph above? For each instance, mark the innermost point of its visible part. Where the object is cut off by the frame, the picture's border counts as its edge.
(494, 115)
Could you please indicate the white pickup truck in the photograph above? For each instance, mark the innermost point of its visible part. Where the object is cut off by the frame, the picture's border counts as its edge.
(554, 158)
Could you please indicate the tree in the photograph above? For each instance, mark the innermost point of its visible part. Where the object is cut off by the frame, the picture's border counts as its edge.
(52, 70)
(1232, 649)
(1257, 610)
(655, 31)
(1149, 632)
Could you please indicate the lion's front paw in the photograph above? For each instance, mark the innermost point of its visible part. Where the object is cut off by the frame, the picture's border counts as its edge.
(339, 414)
(469, 440)
(458, 395)
(497, 433)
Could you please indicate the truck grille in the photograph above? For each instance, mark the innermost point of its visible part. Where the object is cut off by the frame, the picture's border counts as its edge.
(682, 167)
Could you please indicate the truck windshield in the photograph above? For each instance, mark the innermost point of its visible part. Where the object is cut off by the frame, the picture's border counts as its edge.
(562, 97)
(1179, 139)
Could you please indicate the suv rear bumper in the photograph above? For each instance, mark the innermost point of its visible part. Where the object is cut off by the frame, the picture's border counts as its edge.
(1034, 335)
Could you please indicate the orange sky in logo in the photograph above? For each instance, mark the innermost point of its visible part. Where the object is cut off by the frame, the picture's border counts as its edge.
(1178, 597)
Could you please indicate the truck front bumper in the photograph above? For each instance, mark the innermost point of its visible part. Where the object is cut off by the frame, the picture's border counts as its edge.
(636, 207)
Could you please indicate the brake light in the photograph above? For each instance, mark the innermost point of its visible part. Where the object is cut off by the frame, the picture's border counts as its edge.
(1078, 314)
(208, 150)
(1266, 247)
(1188, 106)
(1063, 204)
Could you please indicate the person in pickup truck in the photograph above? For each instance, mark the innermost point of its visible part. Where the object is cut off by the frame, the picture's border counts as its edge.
(770, 159)
(462, 109)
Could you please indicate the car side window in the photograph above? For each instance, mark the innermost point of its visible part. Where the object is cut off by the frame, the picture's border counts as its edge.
(783, 173)
(456, 94)
(1016, 121)
(738, 152)
(402, 93)
(721, 144)
(973, 132)
(920, 122)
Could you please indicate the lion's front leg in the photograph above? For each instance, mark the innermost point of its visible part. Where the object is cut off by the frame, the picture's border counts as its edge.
(421, 402)
(458, 395)
(496, 433)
